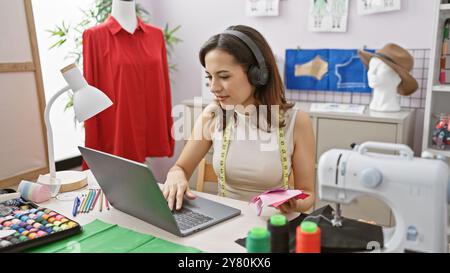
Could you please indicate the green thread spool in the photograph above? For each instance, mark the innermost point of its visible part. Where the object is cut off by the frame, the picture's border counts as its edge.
(258, 240)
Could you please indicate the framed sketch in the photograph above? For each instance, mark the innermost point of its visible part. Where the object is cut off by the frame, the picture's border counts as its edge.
(377, 6)
(23, 145)
(328, 15)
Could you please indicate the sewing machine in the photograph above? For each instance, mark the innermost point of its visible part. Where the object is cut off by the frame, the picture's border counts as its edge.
(416, 190)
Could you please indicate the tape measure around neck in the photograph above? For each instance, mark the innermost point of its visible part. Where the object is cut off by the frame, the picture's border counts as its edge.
(224, 152)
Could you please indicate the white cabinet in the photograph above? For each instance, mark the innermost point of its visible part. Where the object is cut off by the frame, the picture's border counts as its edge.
(438, 95)
(339, 130)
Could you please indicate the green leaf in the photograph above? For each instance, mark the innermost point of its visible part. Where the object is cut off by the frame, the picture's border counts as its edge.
(58, 43)
(69, 104)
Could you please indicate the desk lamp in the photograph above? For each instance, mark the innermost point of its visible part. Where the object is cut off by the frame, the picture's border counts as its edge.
(87, 102)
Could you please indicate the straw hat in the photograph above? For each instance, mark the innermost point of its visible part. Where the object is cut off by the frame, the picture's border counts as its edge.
(398, 59)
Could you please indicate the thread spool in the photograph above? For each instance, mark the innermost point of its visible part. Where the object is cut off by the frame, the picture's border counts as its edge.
(34, 192)
(279, 234)
(308, 238)
(258, 240)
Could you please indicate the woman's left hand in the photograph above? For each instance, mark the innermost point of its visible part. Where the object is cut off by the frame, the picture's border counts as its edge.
(289, 206)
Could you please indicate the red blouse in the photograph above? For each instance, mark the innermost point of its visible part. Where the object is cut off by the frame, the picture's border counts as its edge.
(132, 70)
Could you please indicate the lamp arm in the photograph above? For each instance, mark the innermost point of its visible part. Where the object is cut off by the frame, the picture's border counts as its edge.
(51, 152)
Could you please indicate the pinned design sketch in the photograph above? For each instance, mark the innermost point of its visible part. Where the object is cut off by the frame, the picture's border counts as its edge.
(262, 7)
(377, 6)
(328, 15)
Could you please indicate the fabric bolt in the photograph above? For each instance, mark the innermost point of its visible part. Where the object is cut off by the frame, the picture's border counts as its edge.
(132, 70)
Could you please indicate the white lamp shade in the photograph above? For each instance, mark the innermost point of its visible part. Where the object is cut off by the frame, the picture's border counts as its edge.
(88, 102)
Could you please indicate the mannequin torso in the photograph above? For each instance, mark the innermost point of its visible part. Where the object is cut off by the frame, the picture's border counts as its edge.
(384, 81)
(124, 11)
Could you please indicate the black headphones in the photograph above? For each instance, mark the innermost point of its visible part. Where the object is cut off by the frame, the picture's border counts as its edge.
(258, 75)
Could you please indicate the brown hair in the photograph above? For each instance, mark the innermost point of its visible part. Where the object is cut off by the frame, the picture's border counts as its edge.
(269, 94)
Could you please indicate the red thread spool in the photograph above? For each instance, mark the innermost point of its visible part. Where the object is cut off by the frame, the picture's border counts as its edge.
(307, 238)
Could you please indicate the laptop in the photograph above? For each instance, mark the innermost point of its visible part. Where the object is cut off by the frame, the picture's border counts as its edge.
(131, 187)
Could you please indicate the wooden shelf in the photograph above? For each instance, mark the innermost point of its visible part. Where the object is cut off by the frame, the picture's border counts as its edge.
(441, 88)
(445, 7)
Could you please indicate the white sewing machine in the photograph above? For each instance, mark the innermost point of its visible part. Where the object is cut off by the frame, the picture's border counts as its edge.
(416, 190)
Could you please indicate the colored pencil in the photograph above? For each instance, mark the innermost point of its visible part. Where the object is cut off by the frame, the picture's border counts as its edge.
(101, 202)
(107, 203)
(86, 205)
(96, 198)
(89, 202)
(80, 208)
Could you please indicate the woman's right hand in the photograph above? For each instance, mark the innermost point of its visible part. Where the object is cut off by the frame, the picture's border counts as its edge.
(175, 187)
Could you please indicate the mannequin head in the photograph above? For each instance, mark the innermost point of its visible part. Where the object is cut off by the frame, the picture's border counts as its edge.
(382, 76)
(384, 81)
(389, 74)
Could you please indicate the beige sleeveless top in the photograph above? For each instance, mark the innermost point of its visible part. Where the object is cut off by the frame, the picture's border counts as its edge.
(253, 163)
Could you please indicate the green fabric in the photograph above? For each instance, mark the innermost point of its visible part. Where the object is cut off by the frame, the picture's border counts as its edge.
(161, 246)
(102, 237)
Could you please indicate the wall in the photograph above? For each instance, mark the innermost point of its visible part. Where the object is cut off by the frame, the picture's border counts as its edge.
(410, 27)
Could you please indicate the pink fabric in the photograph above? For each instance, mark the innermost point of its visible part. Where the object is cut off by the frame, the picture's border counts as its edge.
(276, 198)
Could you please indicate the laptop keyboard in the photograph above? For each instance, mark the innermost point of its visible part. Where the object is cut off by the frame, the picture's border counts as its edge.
(187, 219)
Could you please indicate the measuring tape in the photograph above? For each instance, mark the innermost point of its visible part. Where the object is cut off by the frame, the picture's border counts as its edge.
(224, 152)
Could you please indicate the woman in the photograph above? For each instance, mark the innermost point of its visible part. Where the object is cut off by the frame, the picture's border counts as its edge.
(250, 101)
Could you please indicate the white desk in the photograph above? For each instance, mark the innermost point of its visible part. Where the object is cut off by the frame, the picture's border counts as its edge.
(218, 238)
